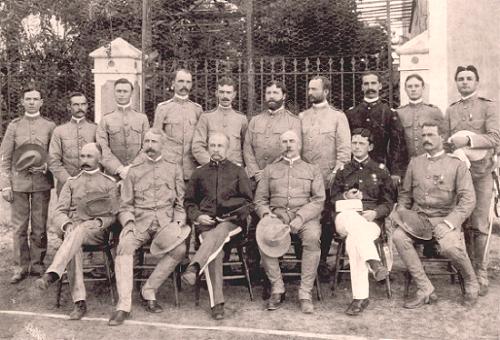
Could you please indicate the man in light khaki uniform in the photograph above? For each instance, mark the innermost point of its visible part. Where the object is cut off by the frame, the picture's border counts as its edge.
(326, 140)
(151, 208)
(222, 119)
(80, 229)
(68, 139)
(481, 116)
(293, 191)
(177, 117)
(121, 132)
(28, 191)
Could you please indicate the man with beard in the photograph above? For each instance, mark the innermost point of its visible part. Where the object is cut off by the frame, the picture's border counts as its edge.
(121, 132)
(151, 208)
(480, 116)
(291, 191)
(27, 187)
(177, 117)
(383, 122)
(222, 119)
(79, 229)
(437, 196)
(68, 139)
(327, 143)
(415, 113)
(217, 203)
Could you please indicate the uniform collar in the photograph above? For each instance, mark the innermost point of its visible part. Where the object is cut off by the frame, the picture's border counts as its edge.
(371, 100)
(77, 120)
(359, 164)
(439, 154)
(225, 108)
(181, 98)
(216, 164)
(290, 160)
(123, 107)
(321, 105)
(415, 102)
(32, 115)
(469, 96)
(272, 113)
(153, 160)
(91, 172)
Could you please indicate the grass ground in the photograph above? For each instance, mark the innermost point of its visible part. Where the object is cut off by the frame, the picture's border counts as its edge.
(384, 318)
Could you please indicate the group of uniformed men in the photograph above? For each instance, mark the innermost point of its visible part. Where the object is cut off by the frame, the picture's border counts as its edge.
(307, 175)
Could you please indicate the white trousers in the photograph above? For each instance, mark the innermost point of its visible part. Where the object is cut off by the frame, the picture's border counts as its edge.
(359, 234)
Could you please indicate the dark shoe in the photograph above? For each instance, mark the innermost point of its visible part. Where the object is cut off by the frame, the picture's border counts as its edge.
(189, 276)
(218, 311)
(152, 306)
(18, 277)
(118, 317)
(78, 311)
(379, 270)
(275, 301)
(421, 299)
(470, 299)
(306, 306)
(45, 281)
(357, 306)
(483, 290)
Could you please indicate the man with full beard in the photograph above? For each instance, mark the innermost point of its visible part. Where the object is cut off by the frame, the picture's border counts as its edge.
(327, 143)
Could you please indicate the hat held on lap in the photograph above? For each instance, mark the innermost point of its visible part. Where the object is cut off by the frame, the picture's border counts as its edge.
(168, 238)
(472, 154)
(96, 204)
(346, 205)
(414, 224)
(29, 155)
(273, 236)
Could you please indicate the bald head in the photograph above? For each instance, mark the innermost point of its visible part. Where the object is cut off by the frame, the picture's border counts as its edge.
(90, 156)
(290, 144)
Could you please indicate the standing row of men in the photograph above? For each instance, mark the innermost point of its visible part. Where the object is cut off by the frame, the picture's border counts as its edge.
(323, 132)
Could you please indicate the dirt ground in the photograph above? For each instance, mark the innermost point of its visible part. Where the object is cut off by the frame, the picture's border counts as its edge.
(384, 318)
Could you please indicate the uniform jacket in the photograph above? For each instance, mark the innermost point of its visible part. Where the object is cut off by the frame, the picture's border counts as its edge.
(214, 187)
(75, 189)
(23, 130)
(479, 115)
(152, 190)
(388, 134)
(373, 180)
(177, 118)
(412, 117)
(231, 122)
(65, 145)
(326, 138)
(262, 140)
(440, 187)
(120, 134)
(291, 188)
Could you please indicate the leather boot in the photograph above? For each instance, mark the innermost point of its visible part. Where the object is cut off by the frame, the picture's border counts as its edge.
(79, 310)
(275, 301)
(420, 299)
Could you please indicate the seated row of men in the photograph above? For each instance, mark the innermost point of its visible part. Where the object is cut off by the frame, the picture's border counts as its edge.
(289, 199)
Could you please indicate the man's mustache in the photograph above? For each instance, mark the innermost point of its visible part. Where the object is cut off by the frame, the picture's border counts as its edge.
(427, 143)
(371, 91)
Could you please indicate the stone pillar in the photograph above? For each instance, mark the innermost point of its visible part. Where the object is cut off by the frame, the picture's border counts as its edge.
(117, 60)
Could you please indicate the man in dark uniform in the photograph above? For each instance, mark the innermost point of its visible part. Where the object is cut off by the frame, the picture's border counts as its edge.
(368, 182)
(219, 187)
(481, 116)
(388, 134)
(28, 190)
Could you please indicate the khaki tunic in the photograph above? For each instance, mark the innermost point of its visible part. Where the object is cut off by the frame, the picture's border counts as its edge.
(152, 191)
(262, 140)
(232, 123)
(75, 189)
(293, 189)
(412, 117)
(177, 118)
(440, 187)
(326, 138)
(120, 134)
(65, 146)
(24, 130)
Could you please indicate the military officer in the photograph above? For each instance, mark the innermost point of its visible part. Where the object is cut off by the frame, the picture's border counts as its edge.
(33, 184)
(292, 191)
(177, 117)
(68, 140)
(80, 228)
(222, 119)
(415, 113)
(121, 132)
(481, 116)
(436, 197)
(388, 133)
(151, 208)
(218, 199)
(369, 183)
(326, 142)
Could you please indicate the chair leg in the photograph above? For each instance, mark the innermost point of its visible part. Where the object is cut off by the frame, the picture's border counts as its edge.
(175, 280)
(319, 296)
(380, 248)
(197, 289)
(138, 273)
(336, 269)
(461, 282)
(108, 264)
(59, 291)
(452, 270)
(242, 256)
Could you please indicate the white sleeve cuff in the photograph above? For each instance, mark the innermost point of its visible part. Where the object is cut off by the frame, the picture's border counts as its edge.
(449, 224)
